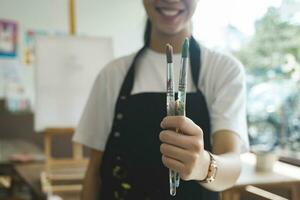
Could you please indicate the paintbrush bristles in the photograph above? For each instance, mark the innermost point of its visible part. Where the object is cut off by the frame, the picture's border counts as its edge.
(185, 48)
(169, 52)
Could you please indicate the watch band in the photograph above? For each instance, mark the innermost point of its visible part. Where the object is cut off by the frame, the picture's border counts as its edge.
(212, 170)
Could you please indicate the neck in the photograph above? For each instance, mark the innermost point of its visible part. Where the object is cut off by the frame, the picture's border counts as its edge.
(159, 40)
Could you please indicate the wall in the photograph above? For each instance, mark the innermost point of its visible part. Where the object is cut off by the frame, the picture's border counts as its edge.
(122, 21)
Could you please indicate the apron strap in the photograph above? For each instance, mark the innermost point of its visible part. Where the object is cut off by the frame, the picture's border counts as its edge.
(195, 60)
(129, 78)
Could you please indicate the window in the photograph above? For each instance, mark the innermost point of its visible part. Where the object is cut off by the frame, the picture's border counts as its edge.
(265, 36)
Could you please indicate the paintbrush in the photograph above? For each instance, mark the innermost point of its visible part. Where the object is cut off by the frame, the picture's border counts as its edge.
(170, 106)
(181, 101)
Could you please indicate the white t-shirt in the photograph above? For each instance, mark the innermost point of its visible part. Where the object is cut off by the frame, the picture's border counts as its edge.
(222, 82)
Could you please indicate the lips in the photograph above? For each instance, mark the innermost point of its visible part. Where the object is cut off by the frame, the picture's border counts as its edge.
(169, 12)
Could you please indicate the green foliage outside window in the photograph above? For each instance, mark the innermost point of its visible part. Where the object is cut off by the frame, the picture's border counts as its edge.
(272, 58)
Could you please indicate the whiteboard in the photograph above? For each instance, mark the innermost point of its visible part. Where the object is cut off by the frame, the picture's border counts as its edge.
(65, 70)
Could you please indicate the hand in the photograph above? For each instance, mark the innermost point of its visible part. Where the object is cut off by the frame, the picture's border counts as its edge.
(184, 152)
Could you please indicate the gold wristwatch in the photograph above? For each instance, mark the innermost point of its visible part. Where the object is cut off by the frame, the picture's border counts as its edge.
(212, 170)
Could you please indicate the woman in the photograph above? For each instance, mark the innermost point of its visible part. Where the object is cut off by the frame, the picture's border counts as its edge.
(133, 143)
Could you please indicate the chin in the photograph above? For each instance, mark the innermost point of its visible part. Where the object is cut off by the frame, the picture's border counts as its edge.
(170, 30)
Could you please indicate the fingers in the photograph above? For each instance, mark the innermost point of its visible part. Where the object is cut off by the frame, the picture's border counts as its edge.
(172, 164)
(184, 124)
(180, 160)
(176, 153)
(171, 137)
(181, 152)
(190, 143)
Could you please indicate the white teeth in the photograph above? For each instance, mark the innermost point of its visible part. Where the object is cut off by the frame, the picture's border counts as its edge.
(169, 13)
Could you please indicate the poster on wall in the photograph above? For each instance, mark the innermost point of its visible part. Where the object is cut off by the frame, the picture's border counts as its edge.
(29, 43)
(8, 38)
(15, 87)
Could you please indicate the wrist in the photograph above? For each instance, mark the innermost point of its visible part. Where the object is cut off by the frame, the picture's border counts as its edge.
(211, 170)
(205, 165)
(205, 162)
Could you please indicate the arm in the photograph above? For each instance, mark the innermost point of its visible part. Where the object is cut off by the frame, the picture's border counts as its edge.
(185, 153)
(226, 150)
(91, 183)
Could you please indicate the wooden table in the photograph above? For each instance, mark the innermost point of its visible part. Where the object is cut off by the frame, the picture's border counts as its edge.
(284, 177)
(9, 147)
(30, 174)
(6, 175)
(284, 180)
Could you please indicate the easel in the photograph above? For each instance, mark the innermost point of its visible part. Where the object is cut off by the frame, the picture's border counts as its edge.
(63, 175)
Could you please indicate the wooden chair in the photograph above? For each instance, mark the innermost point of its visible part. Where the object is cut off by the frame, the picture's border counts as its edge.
(62, 174)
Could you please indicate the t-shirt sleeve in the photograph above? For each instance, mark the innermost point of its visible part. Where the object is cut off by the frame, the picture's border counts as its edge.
(228, 108)
(93, 128)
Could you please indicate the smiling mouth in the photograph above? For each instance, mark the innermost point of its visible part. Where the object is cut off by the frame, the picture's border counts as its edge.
(168, 12)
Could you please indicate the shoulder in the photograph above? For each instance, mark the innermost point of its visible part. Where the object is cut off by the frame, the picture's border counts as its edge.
(115, 71)
(219, 62)
(220, 72)
(117, 66)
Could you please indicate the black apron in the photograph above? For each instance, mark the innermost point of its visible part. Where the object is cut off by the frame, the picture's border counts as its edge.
(131, 167)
